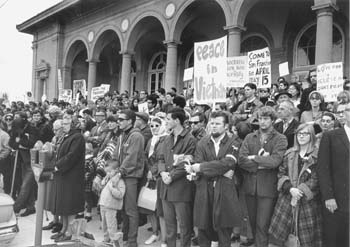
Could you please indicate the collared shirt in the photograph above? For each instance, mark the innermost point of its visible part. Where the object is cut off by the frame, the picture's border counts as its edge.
(217, 143)
(286, 124)
(347, 131)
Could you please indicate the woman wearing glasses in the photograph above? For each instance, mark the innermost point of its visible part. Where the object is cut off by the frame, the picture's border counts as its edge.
(298, 193)
(152, 151)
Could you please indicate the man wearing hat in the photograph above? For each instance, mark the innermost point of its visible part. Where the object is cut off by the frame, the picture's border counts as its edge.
(282, 95)
(142, 124)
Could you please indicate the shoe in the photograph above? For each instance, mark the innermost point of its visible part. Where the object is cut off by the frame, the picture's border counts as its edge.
(249, 242)
(49, 226)
(151, 239)
(28, 212)
(63, 238)
(194, 241)
(235, 238)
(57, 228)
(57, 235)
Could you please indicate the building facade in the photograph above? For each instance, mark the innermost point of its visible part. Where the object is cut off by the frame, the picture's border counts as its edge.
(147, 44)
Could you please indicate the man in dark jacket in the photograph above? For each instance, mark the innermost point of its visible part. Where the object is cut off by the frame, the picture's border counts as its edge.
(333, 174)
(129, 154)
(176, 193)
(23, 137)
(216, 201)
(142, 124)
(260, 155)
(304, 99)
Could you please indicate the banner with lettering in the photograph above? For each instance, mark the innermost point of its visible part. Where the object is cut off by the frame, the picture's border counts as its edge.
(237, 71)
(65, 95)
(97, 92)
(330, 80)
(210, 71)
(259, 67)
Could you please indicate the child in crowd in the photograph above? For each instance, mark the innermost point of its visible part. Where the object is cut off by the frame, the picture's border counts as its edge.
(111, 200)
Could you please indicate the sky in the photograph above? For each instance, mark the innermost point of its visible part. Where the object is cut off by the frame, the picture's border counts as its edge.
(15, 48)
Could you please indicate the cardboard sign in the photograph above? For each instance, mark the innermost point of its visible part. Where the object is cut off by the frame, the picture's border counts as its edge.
(188, 74)
(79, 86)
(283, 69)
(97, 92)
(259, 68)
(210, 71)
(143, 107)
(65, 95)
(237, 71)
(330, 80)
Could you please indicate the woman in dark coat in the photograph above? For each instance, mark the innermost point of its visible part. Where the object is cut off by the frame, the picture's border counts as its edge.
(69, 177)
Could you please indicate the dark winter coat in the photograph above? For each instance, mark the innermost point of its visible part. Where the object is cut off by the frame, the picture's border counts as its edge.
(68, 192)
(226, 208)
(309, 206)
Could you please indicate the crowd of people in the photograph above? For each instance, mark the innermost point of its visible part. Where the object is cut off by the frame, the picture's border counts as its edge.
(270, 164)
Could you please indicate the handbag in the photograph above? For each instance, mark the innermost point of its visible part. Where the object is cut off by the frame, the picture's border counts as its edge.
(147, 198)
(293, 239)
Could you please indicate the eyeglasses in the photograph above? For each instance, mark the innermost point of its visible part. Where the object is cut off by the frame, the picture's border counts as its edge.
(302, 134)
(8, 119)
(343, 111)
(326, 121)
(194, 122)
(154, 125)
(122, 119)
(263, 91)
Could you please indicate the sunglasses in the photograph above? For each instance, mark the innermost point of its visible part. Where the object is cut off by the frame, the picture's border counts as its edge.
(194, 122)
(8, 119)
(154, 125)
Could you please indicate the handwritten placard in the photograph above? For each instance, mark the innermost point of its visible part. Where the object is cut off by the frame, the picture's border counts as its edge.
(330, 80)
(210, 71)
(259, 67)
(237, 71)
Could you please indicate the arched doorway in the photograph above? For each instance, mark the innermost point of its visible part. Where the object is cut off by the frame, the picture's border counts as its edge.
(156, 72)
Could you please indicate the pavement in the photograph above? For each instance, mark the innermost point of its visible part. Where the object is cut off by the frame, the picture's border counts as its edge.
(26, 234)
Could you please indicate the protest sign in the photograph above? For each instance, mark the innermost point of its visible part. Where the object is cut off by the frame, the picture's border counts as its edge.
(65, 95)
(259, 68)
(210, 71)
(330, 80)
(105, 87)
(188, 74)
(237, 71)
(283, 69)
(143, 107)
(59, 80)
(97, 92)
(79, 86)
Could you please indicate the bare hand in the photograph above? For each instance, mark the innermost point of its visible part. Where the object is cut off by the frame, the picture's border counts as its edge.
(167, 180)
(296, 193)
(331, 205)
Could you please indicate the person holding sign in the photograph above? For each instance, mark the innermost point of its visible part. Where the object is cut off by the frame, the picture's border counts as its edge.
(246, 111)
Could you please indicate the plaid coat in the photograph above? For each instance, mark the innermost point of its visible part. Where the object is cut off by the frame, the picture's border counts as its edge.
(309, 216)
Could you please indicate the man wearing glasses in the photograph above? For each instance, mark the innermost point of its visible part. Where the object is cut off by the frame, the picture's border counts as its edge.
(333, 173)
(129, 154)
(197, 123)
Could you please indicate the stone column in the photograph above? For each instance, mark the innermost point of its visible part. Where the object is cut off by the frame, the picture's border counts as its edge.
(324, 32)
(126, 72)
(171, 65)
(91, 76)
(234, 40)
(67, 77)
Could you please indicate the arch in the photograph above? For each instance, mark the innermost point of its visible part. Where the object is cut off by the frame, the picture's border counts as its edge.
(302, 32)
(156, 71)
(74, 48)
(130, 40)
(188, 57)
(256, 34)
(97, 45)
(176, 28)
(241, 10)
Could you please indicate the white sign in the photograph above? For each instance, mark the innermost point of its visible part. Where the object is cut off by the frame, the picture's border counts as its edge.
(59, 80)
(237, 71)
(330, 80)
(65, 95)
(143, 107)
(259, 68)
(188, 74)
(105, 87)
(97, 92)
(79, 86)
(210, 71)
(283, 69)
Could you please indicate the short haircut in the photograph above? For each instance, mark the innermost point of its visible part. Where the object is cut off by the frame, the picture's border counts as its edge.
(174, 89)
(250, 85)
(178, 113)
(222, 114)
(285, 83)
(328, 114)
(108, 94)
(161, 91)
(153, 98)
(267, 111)
(130, 114)
(290, 105)
(87, 111)
(179, 101)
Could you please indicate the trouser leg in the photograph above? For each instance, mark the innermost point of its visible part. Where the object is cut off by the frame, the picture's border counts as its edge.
(130, 207)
